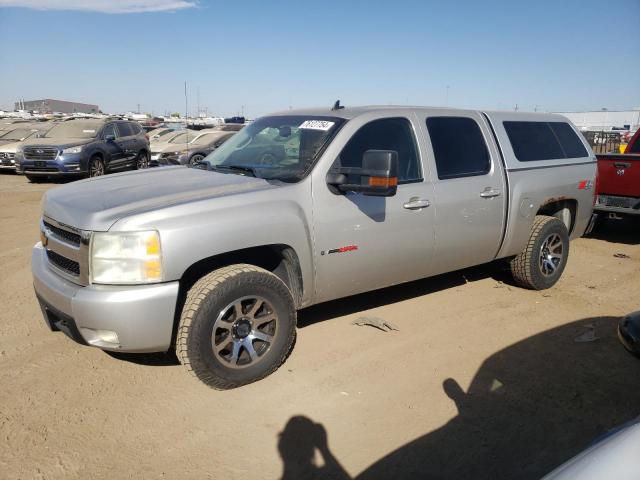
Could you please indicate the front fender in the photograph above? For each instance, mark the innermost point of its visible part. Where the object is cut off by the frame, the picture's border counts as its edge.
(199, 230)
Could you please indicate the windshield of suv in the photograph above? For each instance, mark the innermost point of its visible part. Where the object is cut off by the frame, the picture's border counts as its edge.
(279, 147)
(75, 129)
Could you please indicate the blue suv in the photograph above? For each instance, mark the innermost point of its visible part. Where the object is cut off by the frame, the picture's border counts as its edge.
(84, 147)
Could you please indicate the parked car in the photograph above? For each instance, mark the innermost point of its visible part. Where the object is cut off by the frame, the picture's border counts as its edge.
(89, 147)
(8, 150)
(217, 259)
(193, 152)
(157, 133)
(618, 192)
(174, 139)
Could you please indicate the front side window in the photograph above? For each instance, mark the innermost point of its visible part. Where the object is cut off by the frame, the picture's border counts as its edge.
(458, 146)
(282, 147)
(110, 130)
(386, 134)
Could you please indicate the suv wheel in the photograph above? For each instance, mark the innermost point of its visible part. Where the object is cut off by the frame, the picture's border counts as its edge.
(142, 161)
(96, 167)
(237, 326)
(541, 263)
(196, 158)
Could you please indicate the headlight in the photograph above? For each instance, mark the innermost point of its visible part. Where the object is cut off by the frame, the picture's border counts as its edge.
(77, 149)
(125, 258)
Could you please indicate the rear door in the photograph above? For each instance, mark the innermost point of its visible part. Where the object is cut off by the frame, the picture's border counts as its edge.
(127, 142)
(470, 189)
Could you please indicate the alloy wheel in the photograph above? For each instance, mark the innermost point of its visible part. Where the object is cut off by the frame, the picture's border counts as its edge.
(244, 332)
(551, 254)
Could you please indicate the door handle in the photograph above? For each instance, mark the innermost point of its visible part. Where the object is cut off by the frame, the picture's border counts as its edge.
(621, 165)
(416, 204)
(489, 193)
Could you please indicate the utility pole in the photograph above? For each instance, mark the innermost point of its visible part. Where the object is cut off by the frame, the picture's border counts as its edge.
(138, 108)
(198, 101)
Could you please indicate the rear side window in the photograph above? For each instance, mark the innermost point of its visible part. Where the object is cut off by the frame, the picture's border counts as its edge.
(125, 129)
(532, 141)
(137, 129)
(458, 146)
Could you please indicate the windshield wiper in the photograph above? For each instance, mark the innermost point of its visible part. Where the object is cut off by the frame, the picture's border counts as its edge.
(236, 168)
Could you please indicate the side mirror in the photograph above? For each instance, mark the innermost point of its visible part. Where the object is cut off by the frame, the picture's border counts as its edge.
(109, 138)
(378, 176)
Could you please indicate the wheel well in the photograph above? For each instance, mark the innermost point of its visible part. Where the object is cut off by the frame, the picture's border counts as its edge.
(564, 210)
(279, 259)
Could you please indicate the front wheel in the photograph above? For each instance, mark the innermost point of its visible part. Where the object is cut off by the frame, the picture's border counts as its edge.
(237, 326)
(197, 158)
(540, 265)
(96, 167)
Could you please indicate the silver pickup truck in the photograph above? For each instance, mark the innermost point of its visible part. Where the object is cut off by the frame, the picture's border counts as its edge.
(298, 208)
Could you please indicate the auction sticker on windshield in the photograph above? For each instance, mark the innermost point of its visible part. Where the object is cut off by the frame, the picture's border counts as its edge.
(88, 131)
(317, 125)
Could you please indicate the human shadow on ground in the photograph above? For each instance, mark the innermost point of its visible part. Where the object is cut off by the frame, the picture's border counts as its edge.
(529, 408)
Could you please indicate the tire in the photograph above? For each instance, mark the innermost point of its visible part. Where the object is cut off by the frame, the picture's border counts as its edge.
(142, 160)
(96, 167)
(212, 336)
(195, 159)
(540, 265)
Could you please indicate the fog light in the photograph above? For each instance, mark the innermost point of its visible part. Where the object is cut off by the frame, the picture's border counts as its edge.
(100, 338)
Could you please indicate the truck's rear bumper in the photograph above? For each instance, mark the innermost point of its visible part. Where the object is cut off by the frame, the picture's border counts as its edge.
(617, 204)
(116, 318)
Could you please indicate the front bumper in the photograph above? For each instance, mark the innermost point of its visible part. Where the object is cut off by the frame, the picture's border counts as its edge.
(70, 164)
(140, 316)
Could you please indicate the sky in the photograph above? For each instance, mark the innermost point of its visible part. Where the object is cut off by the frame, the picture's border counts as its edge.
(254, 57)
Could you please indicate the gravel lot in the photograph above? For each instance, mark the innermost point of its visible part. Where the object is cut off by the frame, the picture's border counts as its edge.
(483, 380)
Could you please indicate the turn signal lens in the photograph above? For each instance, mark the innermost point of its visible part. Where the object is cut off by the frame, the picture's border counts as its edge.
(383, 182)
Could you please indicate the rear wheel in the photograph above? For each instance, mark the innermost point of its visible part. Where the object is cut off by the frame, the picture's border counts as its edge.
(541, 263)
(237, 326)
(96, 167)
(142, 161)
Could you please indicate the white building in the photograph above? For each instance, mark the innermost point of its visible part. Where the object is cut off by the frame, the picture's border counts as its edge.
(605, 119)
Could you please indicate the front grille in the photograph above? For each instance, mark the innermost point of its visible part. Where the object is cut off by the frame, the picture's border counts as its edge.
(70, 237)
(7, 159)
(40, 169)
(40, 153)
(64, 263)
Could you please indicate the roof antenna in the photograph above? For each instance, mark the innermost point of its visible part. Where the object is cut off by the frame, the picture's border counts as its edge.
(337, 106)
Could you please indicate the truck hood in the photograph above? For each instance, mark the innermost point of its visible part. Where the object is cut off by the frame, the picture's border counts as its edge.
(97, 203)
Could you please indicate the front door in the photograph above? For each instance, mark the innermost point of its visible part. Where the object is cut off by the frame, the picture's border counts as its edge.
(116, 153)
(363, 242)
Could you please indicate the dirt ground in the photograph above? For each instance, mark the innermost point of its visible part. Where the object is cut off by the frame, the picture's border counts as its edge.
(482, 380)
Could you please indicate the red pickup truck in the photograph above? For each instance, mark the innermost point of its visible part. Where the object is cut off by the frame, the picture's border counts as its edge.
(618, 184)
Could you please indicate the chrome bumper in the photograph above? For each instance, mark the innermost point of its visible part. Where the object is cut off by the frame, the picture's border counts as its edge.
(141, 317)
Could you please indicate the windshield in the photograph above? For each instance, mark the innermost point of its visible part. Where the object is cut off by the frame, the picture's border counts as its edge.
(74, 129)
(183, 137)
(279, 147)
